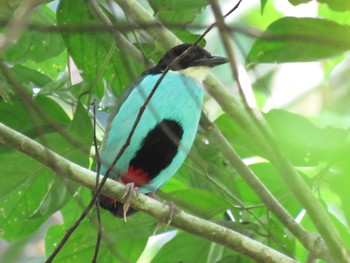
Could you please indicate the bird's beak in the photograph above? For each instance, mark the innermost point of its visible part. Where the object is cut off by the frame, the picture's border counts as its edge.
(211, 62)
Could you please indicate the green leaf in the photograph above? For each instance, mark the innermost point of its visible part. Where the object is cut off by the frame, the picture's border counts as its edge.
(25, 120)
(26, 75)
(298, 2)
(305, 143)
(35, 45)
(337, 5)
(29, 191)
(263, 4)
(18, 206)
(179, 13)
(121, 241)
(95, 54)
(293, 39)
(343, 229)
(237, 137)
(285, 243)
(201, 202)
(339, 185)
(340, 17)
(51, 67)
(184, 248)
(236, 259)
(209, 162)
(82, 126)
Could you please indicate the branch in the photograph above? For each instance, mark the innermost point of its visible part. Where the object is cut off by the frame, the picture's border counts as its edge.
(311, 241)
(233, 108)
(136, 13)
(17, 23)
(182, 220)
(299, 188)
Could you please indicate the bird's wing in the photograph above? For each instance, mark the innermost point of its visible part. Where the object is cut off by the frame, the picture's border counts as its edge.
(175, 99)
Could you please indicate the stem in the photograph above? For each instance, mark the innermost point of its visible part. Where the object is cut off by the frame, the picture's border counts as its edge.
(302, 192)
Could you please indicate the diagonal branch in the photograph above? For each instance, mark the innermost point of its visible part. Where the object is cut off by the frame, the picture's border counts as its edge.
(234, 109)
(182, 220)
(299, 188)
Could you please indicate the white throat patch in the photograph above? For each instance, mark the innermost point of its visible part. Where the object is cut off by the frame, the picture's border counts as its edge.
(198, 73)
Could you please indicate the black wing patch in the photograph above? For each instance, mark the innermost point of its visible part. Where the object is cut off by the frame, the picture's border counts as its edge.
(159, 148)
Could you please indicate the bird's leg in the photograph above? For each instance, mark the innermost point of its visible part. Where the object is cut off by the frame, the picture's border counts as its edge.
(131, 190)
(172, 209)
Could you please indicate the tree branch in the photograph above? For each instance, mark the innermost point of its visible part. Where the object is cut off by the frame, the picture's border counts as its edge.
(17, 23)
(301, 191)
(234, 109)
(182, 220)
(311, 241)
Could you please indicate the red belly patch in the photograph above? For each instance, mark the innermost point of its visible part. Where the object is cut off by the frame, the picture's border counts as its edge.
(137, 176)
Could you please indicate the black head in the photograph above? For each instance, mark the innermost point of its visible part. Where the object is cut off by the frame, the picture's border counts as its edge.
(196, 58)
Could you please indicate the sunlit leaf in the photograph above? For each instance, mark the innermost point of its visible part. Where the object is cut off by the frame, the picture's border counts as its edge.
(291, 39)
(305, 143)
(37, 46)
(121, 240)
(337, 5)
(184, 248)
(95, 53)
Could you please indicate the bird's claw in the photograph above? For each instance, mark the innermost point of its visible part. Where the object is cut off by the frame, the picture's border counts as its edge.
(173, 210)
(130, 192)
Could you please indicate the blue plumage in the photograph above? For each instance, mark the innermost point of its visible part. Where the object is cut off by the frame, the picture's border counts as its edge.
(167, 128)
(178, 98)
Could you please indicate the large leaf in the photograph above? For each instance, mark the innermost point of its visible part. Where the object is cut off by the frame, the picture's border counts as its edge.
(184, 248)
(90, 50)
(121, 241)
(298, 2)
(29, 191)
(174, 11)
(293, 39)
(337, 5)
(18, 206)
(200, 202)
(188, 248)
(337, 180)
(237, 137)
(34, 45)
(25, 120)
(305, 143)
(176, 15)
(263, 4)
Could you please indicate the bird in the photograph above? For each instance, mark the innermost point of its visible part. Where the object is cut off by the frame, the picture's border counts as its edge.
(167, 128)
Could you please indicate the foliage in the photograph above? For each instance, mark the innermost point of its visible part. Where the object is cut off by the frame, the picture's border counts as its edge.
(48, 105)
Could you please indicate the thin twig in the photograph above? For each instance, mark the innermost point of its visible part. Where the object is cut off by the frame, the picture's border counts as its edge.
(126, 144)
(310, 241)
(302, 192)
(17, 23)
(97, 204)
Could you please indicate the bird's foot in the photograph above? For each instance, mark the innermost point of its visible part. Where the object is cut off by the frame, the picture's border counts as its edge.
(130, 192)
(173, 210)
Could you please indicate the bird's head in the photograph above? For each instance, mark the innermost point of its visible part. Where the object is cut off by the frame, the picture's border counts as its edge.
(195, 64)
